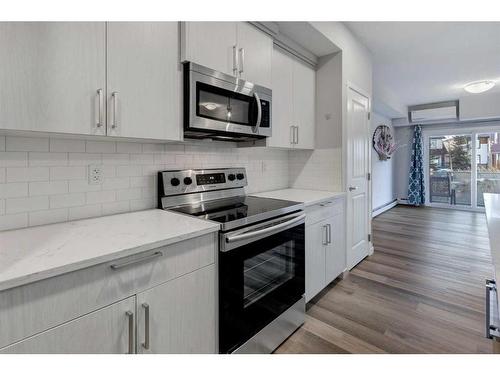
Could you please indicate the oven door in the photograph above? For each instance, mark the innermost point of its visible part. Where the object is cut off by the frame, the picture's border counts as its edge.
(261, 275)
(226, 105)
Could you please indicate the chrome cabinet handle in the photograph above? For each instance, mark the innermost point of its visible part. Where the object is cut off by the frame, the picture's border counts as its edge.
(235, 61)
(241, 52)
(352, 188)
(100, 120)
(325, 239)
(145, 344)
(130, 316)
(114, 97)
(297, 139)
(292, 135)
(259, 112)
(329, 232)
(133, 261)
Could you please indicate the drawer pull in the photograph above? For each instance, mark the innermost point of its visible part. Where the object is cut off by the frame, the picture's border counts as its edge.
(145, 344)
(138, 260)
(324, 204)
(130, 316)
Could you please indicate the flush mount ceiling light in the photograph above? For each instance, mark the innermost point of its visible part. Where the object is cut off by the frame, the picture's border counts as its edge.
(479, 86)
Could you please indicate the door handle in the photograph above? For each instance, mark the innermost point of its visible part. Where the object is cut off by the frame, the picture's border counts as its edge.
(235, 61)
(145, 344)
(259, 112)
(130, 316)
(242, 60)
(329, 233)
(114, 97)
(100, 98)
(325, 239)
(352, 188)
(297, 138)
(292, 135)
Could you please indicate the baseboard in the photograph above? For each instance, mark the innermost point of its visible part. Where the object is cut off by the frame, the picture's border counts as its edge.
(385, 207)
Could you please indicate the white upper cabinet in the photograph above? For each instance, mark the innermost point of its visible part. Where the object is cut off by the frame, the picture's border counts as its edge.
(255, 51)
(144, 80)
(304, 92)
(294, 88)
(50, 76)
(211, 44)
(282, 86)
(235, 48)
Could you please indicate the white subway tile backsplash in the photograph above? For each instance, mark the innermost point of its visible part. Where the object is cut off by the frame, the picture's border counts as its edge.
(48, 216)
(13, 221)
(47, 188)
(129, 170)
(47, 159)
(100, 146)
(67, 200)
(14, 190)
(101, 196)
(66, 145)
(68, 173)
(26, 144)
(16, 205)
(27, 174)
(83, 212)
(13, 159)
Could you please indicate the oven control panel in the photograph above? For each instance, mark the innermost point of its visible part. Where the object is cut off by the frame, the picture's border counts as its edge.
(200, 180)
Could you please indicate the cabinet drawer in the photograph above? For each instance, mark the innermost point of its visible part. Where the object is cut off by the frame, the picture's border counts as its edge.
(32, 308)
(324, 210)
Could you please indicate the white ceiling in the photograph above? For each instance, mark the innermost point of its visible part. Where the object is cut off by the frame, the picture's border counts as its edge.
(422, 62)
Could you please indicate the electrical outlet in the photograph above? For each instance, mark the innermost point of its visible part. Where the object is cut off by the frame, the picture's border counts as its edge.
(95, 174)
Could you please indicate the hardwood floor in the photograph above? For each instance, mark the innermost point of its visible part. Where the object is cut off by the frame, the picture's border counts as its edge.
(422, 291)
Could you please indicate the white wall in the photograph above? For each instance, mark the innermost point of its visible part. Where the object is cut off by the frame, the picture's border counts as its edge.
(383, 191)
(44, 180)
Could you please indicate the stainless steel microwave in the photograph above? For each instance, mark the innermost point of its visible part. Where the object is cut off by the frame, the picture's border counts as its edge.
(224, 107)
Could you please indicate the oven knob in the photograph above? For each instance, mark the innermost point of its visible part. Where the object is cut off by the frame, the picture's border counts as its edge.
(188, 180)
(175, 181)
(230, 177)
(240, 176)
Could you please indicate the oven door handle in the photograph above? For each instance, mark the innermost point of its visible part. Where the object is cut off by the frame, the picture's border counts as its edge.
(260, 232)
(259, 112)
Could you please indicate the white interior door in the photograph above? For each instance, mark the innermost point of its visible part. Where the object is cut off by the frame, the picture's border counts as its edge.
(358, 164)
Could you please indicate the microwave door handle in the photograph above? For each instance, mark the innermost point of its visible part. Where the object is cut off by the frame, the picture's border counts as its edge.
(274, 228)
(259, 112)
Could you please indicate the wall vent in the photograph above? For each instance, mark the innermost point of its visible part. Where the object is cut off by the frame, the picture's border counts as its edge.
(433, 112)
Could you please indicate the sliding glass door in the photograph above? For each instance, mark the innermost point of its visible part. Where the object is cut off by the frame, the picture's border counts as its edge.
(461, 167)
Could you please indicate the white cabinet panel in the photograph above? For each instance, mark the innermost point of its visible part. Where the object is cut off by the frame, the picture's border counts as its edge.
(255, 55)
(282, 86)
(335, 254)
(315, 259)
(304, 91)
(50, 75)
(144, 72)
(107, 330)
(210, 44)
(181, 315)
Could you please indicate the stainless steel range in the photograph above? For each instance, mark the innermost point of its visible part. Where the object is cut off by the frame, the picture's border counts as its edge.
(261, 255)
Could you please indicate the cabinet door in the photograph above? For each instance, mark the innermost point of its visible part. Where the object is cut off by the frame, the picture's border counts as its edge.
(282, 86)
(144, 72)
(108, 330)
(181, 315)
(315, 258)
(210, 44)
(255, 55)
(304, 92)
(335, 252)
(50, 75)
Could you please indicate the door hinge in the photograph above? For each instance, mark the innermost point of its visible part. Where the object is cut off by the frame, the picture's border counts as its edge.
(369, 237)
(369, 115)
(369, 176)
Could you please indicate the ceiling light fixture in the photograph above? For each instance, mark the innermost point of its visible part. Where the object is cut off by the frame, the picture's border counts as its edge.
(479, 86)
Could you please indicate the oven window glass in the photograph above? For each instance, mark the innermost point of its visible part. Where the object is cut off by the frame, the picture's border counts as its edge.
(266, 271)
(224, 105)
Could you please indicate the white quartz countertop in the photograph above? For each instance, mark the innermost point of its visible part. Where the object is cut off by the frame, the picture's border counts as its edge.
(492, 207)
(308, 197)
(36, 253)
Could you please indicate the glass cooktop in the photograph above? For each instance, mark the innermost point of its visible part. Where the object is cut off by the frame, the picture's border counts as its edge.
(238, 211)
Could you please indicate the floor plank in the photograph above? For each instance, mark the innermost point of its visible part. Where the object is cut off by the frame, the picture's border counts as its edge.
(422, 291)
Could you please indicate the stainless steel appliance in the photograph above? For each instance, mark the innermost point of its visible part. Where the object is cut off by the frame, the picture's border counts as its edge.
(261, 255)
(223, 107)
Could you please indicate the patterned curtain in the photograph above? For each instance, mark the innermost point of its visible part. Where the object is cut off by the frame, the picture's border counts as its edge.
(416, 190)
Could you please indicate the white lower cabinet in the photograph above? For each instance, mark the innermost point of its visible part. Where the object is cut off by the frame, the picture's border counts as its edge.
(108, 330)
(178, 316)
(325, 245)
